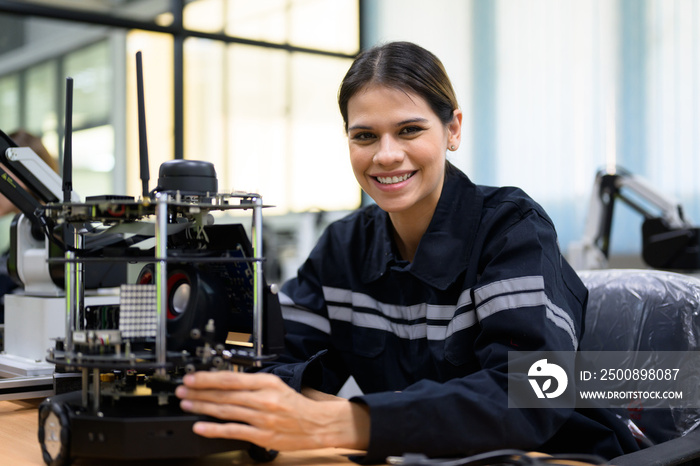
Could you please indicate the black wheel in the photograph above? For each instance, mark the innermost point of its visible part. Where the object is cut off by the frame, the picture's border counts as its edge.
(261, 455)
(54, 433)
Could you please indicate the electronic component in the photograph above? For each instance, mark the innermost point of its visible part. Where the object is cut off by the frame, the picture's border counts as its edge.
(199, 285)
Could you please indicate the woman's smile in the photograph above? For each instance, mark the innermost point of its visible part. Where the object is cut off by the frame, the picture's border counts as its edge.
(390, 180)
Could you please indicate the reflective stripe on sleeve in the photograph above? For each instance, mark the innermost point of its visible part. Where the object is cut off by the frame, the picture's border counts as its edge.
(522, 292)
(294, 313)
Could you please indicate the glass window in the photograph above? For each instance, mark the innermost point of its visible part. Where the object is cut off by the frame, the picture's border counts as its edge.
(265, 21)
(205, 15)
(157, 54)
(265, 116)
(129, 9)
(92, 84)
(258, 124)
(205, 105)
(318, 24)
(41, 112)
(9, 103)
(320, 175)
(324, 25)
(269, 122)
(93, 136)
(93, 161)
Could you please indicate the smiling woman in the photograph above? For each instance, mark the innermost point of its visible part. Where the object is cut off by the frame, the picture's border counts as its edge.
(423, 298)
(397, 151)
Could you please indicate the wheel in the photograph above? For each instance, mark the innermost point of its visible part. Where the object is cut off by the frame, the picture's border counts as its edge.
(261, 455)
(54, 433)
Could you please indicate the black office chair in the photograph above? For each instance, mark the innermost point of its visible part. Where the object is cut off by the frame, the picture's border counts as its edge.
(648, 310)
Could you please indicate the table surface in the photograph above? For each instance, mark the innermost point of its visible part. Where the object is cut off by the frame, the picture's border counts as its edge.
(19, 445)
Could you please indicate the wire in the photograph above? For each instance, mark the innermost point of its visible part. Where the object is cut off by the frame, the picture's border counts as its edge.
(499, 457)
(495, 458)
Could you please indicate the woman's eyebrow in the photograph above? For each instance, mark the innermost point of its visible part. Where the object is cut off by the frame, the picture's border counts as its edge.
(412, 120)
(359, 127)
(400, 123)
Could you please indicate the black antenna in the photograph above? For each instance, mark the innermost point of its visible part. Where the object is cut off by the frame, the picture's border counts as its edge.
(143, 142)
(68, 144)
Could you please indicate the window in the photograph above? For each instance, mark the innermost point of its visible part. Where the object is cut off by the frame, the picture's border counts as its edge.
(260, 83)
(265, 116)
(93, 135)
(33, 98)
(40, 97)
(9, 102)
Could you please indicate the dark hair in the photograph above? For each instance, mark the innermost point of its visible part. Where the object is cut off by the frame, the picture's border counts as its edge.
(405, 66)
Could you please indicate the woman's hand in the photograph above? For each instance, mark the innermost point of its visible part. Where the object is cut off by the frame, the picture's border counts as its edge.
(270, 414)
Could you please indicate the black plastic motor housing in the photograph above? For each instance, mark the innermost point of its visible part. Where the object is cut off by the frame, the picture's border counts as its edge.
(187, 176)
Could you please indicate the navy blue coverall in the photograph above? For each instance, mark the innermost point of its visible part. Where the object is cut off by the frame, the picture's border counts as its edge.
(427, 341)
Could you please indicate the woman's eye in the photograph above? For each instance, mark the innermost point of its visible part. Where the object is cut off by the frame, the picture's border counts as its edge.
(363, 136)
(411, 130)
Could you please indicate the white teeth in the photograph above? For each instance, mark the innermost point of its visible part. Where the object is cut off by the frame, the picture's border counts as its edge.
(393, 179)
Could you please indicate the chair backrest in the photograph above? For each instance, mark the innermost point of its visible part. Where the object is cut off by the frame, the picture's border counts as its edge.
(645, 310)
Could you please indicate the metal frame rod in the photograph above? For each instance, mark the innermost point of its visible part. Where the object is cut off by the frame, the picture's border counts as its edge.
(79, 271)
(161, 280)
(75, 295)
(69, 268)
(95, 390)
(258, 281)
(85, 386)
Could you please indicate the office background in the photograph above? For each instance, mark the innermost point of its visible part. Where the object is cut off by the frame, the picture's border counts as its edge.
(552, 91)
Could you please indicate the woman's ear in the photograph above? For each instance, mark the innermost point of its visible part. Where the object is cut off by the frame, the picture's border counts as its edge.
(454, 130)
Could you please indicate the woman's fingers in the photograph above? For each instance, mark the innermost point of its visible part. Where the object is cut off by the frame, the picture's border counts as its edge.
(220, 411)
(259, 393)
(275, 419)
(267, 412)
(267, 429)
(226, 380)
(267, 438)
(227, 430)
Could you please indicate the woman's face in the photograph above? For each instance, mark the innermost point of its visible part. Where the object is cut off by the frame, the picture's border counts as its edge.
(397, 148)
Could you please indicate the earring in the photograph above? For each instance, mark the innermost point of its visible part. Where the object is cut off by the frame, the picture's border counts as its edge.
(453, 148)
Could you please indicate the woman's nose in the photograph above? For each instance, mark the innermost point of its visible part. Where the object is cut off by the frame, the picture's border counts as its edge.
(389, 152)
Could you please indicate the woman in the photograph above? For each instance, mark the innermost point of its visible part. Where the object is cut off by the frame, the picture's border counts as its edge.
(419, 297)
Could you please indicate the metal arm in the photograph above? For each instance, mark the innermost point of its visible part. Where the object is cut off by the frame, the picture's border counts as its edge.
(662, 214)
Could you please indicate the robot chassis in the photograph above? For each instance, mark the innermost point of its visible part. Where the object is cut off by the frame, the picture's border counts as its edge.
(126, 407)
